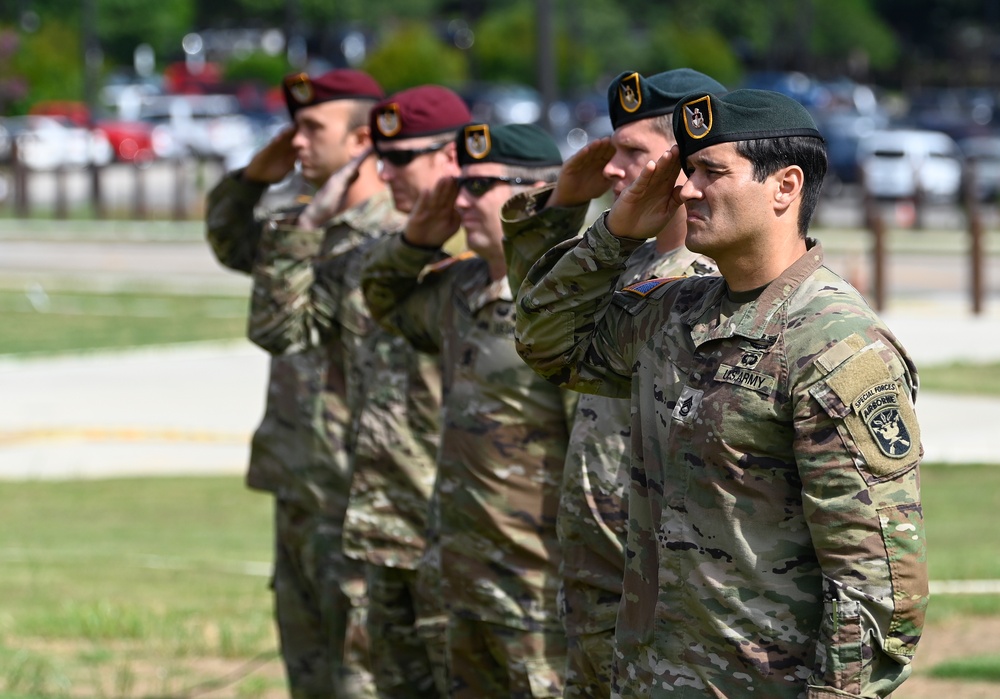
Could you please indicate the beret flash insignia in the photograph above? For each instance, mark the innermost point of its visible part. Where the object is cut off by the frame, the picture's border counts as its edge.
(388, 121)
(477, 140)
(300, 87)
(698, 117)
(629, 93)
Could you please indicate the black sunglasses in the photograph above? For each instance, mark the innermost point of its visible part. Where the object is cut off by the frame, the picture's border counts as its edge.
(478, 186)
(402, 158)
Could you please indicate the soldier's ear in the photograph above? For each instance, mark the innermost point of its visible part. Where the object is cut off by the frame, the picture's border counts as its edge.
(788, 186)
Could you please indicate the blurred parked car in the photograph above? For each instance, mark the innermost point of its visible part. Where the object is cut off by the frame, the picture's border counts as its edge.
(133, 141)
(503, 103)
(899, 163)
(207, 126)
(48, 142)
(843, 130)
(982, 153)
(578, 120)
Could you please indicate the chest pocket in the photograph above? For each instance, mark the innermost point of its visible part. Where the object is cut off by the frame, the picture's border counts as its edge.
(872, 412)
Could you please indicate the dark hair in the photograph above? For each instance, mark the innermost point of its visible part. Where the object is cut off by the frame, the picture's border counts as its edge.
(768, 155)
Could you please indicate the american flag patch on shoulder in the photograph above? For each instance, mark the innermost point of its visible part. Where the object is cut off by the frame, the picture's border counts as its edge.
(648, 286)
(448, 262)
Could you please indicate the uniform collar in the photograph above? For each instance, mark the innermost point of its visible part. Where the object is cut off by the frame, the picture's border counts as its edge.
(753, 319)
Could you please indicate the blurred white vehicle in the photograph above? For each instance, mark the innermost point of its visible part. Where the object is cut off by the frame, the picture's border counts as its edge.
(983, 154)
(199, 125)
(896, 163)
(47, 142)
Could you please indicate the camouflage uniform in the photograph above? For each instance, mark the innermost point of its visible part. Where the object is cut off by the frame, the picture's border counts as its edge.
(300, 454)
(397, 436)
(776, 543)
(503, 444)
(593, 507)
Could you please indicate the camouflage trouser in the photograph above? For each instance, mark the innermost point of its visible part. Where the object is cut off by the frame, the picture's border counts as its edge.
(406, 626)
(490, 661)
(320, 606)
(589, 658)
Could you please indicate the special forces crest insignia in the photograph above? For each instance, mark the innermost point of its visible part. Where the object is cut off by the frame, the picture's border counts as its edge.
(698, 117)
(629, 94)
(477, 140)
(387, 120)
(300, 87)
(880, 412)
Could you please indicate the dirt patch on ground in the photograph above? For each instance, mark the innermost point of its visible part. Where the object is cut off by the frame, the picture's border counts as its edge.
(132, 674)
(952, 639)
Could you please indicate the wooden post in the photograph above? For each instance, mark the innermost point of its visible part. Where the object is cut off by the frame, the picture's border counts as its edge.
(975, 223)
(139, 211)
(62, 196)
(876, 223)
(96, 194)
(180, 188)
(20, 177)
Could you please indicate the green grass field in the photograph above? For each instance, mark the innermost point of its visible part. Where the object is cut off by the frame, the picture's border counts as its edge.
(150, 587)
(50, 321)
(158, 587)
(139, 587)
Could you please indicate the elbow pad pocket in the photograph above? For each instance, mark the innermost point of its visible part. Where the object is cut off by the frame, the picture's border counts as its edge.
(906, 548)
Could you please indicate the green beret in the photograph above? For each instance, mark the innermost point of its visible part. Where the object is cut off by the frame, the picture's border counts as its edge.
(632, 97)
(527, 145)
(741, 115)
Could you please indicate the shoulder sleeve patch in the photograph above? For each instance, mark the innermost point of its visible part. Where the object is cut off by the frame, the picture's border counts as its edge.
(878, 415)
(447, 262)
(648, 286)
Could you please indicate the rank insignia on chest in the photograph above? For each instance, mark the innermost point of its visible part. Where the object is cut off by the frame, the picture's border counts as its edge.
(686, 408)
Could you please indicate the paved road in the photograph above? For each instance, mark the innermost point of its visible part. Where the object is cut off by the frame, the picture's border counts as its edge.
(192, 409)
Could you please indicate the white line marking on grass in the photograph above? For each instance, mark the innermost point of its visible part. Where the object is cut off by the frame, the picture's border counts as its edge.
(965, 587)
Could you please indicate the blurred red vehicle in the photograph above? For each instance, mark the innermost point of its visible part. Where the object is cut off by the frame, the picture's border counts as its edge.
(132, 141)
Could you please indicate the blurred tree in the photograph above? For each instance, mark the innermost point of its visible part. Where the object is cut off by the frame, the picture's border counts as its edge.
(702, 48)
(504, 49)
(50, 64)
(413, 54)
(13, 86)
(257, 67)
(594, 42)
(124, 24)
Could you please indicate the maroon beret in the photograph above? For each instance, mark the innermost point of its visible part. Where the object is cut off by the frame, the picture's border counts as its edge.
(419, 111)
(340, 84)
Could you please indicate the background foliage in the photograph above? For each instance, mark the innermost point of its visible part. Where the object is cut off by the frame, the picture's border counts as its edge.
(895, 43)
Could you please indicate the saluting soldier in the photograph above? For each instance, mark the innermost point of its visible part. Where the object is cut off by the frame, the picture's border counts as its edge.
(504, 431)
(775, 541)
(307, 296)
(300, 451)
(593, 507)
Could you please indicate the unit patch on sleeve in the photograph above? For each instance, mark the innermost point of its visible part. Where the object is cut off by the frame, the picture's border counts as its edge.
(877, 413)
